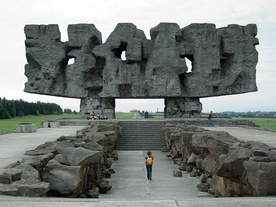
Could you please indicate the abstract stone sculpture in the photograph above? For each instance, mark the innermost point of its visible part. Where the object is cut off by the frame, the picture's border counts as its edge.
(223, 62)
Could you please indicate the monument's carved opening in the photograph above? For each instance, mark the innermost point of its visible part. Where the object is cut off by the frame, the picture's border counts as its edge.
(71, 61)
(189, 64)
(118, 52)
(123, 55)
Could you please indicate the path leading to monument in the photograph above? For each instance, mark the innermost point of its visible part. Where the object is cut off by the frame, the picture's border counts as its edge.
(130, 181)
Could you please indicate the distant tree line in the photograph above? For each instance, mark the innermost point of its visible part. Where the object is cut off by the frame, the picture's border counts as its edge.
(14, 108)
(69, 111)
(250, 114)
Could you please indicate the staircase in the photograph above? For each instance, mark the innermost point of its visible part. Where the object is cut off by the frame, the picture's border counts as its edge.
(141, 135)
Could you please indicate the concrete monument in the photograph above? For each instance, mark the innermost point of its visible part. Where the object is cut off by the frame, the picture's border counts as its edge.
(223, 62)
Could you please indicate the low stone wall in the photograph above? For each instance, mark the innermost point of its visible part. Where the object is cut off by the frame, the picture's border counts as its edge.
(51, 124)
(184, 121)
(216, 121)
(25, 128)
(226, 166)
(71, 166)
(6, 132)
(74, 122)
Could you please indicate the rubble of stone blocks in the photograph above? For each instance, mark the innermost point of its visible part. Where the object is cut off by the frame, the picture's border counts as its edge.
(71, 166)
(226, 166)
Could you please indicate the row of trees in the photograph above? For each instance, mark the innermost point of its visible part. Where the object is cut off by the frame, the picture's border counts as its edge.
(250, 114)
(14, 108)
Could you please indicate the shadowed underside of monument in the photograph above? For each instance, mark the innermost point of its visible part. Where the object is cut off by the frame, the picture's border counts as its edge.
(223, 63)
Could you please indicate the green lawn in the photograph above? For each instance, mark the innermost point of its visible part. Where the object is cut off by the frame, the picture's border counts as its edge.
(123, 115)
(8, 124)
(267, 123)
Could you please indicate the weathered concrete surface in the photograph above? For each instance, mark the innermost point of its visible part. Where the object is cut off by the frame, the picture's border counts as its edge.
(223, 62)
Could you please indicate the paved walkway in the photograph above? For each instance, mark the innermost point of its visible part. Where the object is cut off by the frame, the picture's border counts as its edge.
(130, 182)
(13, 146)
(130, 186)
(249, 134)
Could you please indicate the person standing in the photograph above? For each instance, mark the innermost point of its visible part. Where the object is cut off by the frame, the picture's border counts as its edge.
(210, 115)
(149, 161)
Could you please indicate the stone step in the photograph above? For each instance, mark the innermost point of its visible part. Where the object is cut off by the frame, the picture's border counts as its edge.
(141, 135)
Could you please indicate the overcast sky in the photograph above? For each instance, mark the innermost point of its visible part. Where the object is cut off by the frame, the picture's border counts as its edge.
(145, 14)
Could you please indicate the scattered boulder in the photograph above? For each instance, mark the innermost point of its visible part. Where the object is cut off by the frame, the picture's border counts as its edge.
(5, 178)
(104, 186)
(8, 190)
(28, 172)
(15, 174)
(182, 167)
(32, 189)
(93, 193)
(203, 187)
(177, 173)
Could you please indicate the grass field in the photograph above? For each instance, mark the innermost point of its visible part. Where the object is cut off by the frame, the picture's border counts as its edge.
(8, 124)
(267, 123)
(124, 115)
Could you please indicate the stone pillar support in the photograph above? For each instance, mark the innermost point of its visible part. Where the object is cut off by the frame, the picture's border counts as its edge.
(98, 106)
(182, 107)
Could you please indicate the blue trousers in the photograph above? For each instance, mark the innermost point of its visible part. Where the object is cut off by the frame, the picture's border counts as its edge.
(210, 123)
(149, 171)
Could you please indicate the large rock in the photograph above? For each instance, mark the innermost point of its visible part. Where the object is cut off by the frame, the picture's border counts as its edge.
(32, 188)
(10, 175)
(64, 179)
(8, 190)
(28, 172)
(39, 161)
(23, 181)
(231, 165)
(78, 156)
(224, 187)
(68, 173)
(179, 139)
(100, 136)
(217, 142)
(261, 176)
